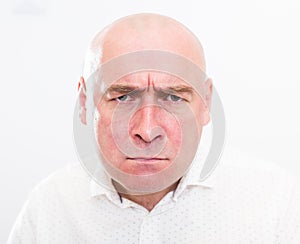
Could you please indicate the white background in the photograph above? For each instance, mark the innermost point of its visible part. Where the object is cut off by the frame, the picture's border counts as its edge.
(252, 51)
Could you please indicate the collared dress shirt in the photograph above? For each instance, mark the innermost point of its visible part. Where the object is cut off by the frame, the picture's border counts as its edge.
(244, 201)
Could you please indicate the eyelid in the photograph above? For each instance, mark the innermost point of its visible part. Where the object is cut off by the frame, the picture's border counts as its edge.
(134, 93)
(166, 93)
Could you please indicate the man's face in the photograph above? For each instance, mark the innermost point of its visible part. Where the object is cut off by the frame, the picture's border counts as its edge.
(139, 130)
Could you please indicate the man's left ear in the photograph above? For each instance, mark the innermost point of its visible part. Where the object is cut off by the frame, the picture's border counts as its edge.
(208, 87)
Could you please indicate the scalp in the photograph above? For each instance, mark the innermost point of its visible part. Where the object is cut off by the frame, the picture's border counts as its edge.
(147, 32)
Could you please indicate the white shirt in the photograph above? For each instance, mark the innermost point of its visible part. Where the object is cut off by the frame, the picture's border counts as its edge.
(244, 201)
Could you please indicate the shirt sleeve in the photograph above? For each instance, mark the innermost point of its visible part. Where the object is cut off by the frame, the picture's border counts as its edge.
(289, 226)
(24, 227)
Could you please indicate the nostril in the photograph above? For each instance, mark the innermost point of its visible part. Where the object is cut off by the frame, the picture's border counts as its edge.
(142, 139)
(138, 136)
(156, 137)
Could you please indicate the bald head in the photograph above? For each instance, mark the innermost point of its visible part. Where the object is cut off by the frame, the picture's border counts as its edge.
(144, 32)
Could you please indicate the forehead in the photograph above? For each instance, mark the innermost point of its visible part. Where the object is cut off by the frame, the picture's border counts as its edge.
(150, 78)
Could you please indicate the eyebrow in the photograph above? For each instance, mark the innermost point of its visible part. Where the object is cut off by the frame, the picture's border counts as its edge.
(121, 89)
(178, 89)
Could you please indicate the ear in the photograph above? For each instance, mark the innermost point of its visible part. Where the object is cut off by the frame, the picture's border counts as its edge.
(208, 87)
(82, 100)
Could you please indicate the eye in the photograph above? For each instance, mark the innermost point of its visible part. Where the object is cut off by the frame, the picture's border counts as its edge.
(174, 98)
(122, 98)
(132, 96)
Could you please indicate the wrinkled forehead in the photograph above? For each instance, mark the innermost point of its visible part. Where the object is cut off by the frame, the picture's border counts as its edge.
(144, 79)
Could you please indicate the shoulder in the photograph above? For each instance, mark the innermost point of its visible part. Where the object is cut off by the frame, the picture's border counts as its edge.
(48, 203)
(246, 169)
(246, 176)
(68, 182)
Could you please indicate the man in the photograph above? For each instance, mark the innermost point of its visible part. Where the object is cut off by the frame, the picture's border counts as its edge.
(145, 188)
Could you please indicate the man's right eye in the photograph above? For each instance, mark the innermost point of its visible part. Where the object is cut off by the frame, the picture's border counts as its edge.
(123, 98)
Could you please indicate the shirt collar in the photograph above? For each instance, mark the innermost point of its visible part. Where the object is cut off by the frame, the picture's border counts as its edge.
(104, 188)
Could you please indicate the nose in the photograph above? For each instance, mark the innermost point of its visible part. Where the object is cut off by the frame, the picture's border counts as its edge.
(145, 126)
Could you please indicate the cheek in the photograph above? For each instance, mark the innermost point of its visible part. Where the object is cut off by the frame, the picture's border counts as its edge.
(173, 130)
(104, 135)
(174, 133)
(187, 129)
(106, 142)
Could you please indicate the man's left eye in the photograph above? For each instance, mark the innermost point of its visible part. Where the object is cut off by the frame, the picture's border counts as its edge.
(174, 98)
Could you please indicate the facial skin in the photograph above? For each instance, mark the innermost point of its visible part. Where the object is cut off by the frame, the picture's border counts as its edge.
(148, 32)
(172, 94)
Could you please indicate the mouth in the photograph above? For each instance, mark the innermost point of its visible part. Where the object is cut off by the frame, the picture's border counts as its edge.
(147, 160)
(145, 165)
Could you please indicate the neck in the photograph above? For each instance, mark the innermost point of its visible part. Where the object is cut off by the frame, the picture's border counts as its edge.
(148, 201)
